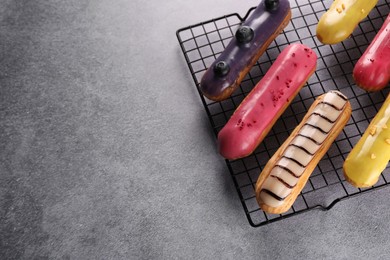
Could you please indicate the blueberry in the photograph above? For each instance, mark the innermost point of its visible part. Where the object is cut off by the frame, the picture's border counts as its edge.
(271, 4)
(244, 34)
(221, 68)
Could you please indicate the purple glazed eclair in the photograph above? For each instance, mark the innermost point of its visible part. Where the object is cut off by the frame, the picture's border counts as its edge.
(251, 40)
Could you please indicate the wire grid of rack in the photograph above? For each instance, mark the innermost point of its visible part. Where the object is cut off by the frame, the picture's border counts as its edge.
(203, 42)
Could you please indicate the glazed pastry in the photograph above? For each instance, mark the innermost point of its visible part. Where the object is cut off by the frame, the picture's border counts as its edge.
(250, 42)
(258, 112)
(287, 172)
(369, 157)
(372, 71)
(338, 23)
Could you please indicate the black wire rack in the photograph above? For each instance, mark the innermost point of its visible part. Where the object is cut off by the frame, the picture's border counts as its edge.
(203, 42)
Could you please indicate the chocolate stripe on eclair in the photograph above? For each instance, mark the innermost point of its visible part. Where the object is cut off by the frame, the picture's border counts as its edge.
(324, 117)
(294, 160)
(317, 127)
(302, 148)
(287, 170)
(331, 105)
(272, 194)
(339, 94)
(310, 138)
(283, 181)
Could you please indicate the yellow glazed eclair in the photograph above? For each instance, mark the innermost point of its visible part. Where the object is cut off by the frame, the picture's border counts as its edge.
(338, 23)
(287, 172)
(370, 156)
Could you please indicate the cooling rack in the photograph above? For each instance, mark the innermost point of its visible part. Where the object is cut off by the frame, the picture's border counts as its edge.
(203, 42)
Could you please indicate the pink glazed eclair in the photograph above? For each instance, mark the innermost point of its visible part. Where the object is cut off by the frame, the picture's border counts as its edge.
(258, 112)
(372, 71)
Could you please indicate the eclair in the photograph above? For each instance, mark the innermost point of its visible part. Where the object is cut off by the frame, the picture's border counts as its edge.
(251, 40)
(338, 23)
(370, 156)
(372, 71)
(258, 112)
(287, 172)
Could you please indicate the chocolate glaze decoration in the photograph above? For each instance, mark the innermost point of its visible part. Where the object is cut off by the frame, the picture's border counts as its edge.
(329, 104)
(310, 138)
(288, 170)
(273, 195)
(266, 24)
(302, 148)
(339, 94)
(294, 160)
(318, 128)
(283, 181)
(323, 117)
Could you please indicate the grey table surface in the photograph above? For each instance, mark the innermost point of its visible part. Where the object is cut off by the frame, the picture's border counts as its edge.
(107, 153)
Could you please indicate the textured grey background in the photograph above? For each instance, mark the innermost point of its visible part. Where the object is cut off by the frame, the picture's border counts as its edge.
(106, 151)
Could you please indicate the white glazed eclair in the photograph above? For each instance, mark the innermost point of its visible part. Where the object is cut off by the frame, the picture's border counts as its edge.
(287, 172)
